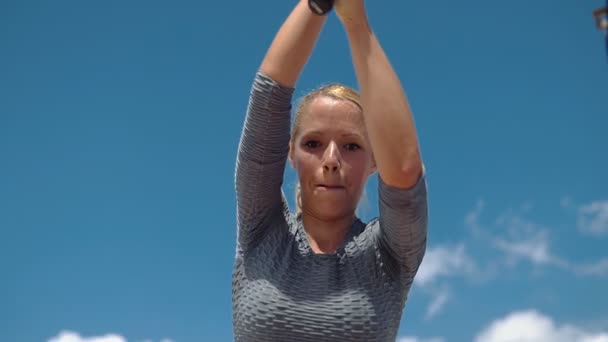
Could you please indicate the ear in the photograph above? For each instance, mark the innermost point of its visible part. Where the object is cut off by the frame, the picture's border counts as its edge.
(290, 156)
(373, 167)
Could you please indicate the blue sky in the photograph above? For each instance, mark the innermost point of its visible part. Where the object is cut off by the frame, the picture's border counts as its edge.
(119, 123)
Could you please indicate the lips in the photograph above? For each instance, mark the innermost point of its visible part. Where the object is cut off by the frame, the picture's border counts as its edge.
(330, 186)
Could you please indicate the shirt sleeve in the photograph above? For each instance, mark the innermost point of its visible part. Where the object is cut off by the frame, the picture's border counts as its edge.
(403, 218)
(261, 158)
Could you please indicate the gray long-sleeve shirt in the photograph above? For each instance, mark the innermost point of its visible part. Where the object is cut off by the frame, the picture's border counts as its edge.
(281, 290)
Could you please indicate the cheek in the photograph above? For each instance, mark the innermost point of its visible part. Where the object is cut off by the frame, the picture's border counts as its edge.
(358, 170)
(359, 166)
(305, 163)
(360, 177)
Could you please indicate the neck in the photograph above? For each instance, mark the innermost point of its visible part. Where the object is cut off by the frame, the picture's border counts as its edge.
(325, 236)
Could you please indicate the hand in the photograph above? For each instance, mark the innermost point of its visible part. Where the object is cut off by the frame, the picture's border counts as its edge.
(351, 12)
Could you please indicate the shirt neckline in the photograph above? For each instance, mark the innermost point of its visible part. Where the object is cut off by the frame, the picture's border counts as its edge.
(340, 251)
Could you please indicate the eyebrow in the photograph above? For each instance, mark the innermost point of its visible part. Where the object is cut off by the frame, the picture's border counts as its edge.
(347, 134)
(352, 134)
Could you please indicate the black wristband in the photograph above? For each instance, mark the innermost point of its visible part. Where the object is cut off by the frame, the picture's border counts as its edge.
(321, 7)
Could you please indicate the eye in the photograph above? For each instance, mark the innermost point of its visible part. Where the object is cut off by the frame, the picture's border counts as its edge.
(312, 144)
(352, 147)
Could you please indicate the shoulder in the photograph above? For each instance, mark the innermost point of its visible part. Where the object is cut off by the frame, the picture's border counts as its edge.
(364, 235)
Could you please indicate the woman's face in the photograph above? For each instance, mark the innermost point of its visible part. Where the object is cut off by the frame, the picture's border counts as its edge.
(333, 157)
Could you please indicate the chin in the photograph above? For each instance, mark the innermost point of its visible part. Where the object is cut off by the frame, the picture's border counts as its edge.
(330, 205)
(332, 211)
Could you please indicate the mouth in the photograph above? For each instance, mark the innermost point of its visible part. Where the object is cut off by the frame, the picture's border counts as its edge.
(329, 187)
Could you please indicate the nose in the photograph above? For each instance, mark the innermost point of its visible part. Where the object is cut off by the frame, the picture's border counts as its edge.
(331, 158)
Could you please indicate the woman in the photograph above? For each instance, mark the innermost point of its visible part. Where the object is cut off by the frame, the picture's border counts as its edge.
(322, 274)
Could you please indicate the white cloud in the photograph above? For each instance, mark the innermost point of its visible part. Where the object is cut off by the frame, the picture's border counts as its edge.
(71, 336)
(472, 218)
(444, 261)
(525, 240)
(532, 326)
(417, 339)
(437, 304)
(534, 248)
(512, 239)
(598, 268)
(521, 239)
(593, 218)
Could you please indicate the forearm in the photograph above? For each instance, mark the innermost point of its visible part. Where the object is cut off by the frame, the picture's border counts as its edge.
(388, 117)
(292, 45)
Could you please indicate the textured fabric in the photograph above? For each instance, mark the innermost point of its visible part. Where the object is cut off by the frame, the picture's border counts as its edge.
(281, 290)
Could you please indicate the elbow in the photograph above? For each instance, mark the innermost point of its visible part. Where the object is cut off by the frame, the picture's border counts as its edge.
(411, 171)
(407, 174)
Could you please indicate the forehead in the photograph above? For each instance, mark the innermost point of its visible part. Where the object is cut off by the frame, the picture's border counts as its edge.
(326, 114)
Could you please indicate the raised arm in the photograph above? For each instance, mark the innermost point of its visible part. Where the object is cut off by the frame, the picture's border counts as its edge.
(391, 130)
(388, 117)
(292, 45)
(264, 142)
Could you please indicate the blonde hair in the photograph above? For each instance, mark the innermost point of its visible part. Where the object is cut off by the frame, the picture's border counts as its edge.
(333, 90)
